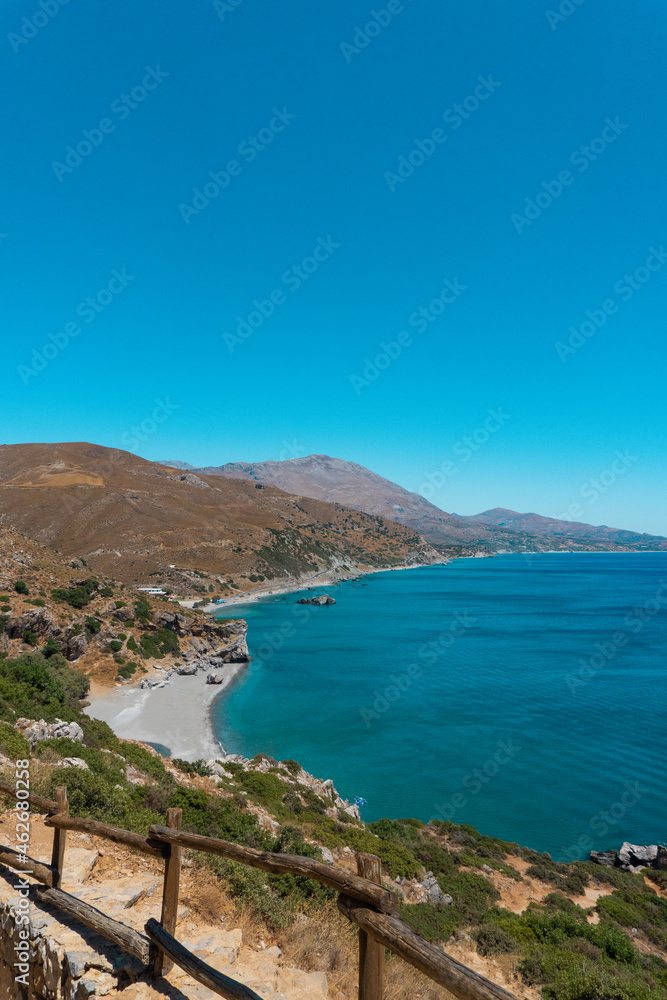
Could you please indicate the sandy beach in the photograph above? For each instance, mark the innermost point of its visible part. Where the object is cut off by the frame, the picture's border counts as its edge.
(177, 715)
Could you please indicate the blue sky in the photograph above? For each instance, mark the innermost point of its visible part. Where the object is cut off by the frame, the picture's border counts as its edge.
(350, 188)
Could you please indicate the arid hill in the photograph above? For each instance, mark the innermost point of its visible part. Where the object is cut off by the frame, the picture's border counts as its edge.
(141, 523)
(335, 480)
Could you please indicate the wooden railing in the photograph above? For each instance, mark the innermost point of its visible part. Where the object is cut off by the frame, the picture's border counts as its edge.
(362, 899)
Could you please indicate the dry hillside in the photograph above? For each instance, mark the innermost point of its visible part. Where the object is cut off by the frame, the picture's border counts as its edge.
(143, 523)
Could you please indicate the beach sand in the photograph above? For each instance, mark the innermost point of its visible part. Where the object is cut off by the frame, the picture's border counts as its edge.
(178, 715)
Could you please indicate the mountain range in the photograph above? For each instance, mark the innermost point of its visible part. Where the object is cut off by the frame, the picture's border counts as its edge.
(139, 522)
(335, 480)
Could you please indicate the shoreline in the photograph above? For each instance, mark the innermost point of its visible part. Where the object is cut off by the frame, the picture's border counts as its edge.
(329, 578)
(171, 715)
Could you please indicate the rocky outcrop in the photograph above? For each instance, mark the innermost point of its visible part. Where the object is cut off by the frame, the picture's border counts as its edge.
(633, 857)
(35, 731)
(218, 644)
(214, 678)
(322, 600)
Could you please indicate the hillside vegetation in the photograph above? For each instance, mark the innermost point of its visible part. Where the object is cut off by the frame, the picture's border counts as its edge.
(612, 949)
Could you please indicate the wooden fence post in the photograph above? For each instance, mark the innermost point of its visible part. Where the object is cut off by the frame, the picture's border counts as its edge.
(371, 954)
(172, 873)
(59, 837)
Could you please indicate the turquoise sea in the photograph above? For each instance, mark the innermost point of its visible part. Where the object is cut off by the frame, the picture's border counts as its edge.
(523, 694)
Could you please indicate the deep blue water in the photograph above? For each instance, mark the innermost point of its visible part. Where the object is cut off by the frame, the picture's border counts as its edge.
(525, 695)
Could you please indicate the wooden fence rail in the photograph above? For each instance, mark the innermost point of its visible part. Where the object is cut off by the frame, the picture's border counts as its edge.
(362, 899)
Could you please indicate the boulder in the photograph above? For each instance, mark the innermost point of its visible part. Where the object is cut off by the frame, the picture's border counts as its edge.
(214, 679)
(73, 762)
(634, 856)
(322, 600)
(187, 670)
(76, 646)
(35, 731)
(606, 858)
(661, 859)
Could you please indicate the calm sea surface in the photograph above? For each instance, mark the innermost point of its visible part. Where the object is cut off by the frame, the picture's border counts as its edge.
(525, 695)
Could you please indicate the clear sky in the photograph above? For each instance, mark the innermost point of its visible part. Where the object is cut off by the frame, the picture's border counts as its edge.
(348, 164)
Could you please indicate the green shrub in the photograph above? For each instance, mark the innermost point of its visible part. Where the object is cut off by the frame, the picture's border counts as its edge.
(21, 587)
(132, 644)
(199, 767)
(125, 670)
(115, 645)
(30, 637)
(13, 744)
(50, 648)
(106, 592)
(493, 940)
(78, 596)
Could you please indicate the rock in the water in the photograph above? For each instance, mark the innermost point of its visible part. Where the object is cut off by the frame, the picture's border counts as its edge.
(322, 600)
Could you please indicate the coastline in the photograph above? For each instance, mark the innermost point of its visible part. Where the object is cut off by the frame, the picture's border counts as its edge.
(177, 715)
(327, 578)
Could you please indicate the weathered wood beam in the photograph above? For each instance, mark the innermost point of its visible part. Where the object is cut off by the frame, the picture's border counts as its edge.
(125, 937)
(203, 973)
(395, 934)
(281, 864)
